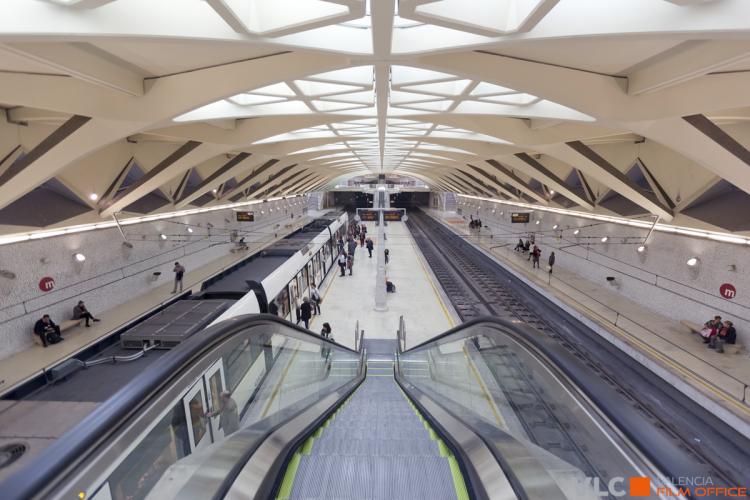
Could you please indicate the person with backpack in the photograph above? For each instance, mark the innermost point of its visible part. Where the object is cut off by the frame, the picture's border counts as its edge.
(179, 272)
(316, 298)
(535, 254)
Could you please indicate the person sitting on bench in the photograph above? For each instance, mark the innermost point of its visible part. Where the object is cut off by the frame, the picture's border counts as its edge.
(47, 330)
(80, 312)
(726, 335)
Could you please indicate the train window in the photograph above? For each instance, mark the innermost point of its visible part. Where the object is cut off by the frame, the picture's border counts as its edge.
(310, 272)
(215, 388)
(282, 300)
(293, 296)
(141, 470)
(197, 411)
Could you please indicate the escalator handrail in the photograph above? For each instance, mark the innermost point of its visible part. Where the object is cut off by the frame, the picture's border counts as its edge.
(75, 445)
(665, 454)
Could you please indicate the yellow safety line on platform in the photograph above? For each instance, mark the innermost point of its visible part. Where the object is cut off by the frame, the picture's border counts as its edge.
(429, 280)
(485, 391)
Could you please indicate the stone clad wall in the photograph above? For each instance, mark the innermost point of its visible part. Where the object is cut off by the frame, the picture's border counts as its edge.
(113, 273)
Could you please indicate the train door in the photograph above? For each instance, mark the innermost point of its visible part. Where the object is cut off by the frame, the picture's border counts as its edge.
(215, 385)
(195, 404)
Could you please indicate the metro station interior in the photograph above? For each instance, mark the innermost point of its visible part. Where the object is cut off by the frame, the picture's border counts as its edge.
(374, 249)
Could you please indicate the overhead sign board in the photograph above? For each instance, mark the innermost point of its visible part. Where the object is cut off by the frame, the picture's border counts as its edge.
(520, 217)
(392, 215)
(245, 216)
(368, 215)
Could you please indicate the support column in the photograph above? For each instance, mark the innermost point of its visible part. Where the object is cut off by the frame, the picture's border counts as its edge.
(380, 292)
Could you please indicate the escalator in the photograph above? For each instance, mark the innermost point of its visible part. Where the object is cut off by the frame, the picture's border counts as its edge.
(256, 407)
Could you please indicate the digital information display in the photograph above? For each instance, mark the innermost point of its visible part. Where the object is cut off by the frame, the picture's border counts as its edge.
(520, 217)
(392, 215)
(368, 215)
(245, 216)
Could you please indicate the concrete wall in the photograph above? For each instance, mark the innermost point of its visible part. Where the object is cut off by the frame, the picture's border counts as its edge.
(113, 273)
(657, 278)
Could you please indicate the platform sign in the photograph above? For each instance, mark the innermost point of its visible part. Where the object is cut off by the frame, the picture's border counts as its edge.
(46, 284)
(368, 215)
(728, 291)
(392, 215)
(245, 216)
(520, 217)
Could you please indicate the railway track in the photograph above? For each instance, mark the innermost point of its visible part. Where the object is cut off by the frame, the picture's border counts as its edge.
(477, 286)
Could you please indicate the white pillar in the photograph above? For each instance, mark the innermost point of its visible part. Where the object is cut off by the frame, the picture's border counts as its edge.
(381, 303)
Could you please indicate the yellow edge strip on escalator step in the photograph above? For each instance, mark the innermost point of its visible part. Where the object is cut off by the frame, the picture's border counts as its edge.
(458, 479)
(288, 482)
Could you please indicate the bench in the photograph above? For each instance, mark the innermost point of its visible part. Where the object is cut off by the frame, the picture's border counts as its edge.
(64, 327)
(696, 329)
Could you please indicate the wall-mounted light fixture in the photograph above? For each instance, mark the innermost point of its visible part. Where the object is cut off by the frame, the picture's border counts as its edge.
(641, 249)
(605, 239)
(189, 229)
(163, 236)
(554, 227)
(538, 222)
(79, 257)
(693, 261)
(576, 231)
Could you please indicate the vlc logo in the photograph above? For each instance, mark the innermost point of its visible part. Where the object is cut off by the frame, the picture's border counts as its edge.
(46, 284)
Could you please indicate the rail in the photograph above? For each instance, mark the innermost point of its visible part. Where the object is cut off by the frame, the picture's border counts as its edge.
(742, 396)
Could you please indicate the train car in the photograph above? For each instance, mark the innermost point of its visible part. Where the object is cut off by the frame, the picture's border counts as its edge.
(287, 284)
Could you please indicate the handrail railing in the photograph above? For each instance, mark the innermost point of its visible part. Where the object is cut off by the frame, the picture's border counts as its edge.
(74, 448)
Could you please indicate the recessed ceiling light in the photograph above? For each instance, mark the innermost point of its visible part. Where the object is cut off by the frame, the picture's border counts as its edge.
(551, 192)
(538, 222)
(641, 249)
(576, 231)
(554, 227)
(190, 230)
(604, 239)
(79, 257)
(692, 261)
(163, 236)
(93, 197)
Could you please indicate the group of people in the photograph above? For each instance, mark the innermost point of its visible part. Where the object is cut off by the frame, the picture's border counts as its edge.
(716, 333)
(535, 253)
(475, 223)
(310, 306)
(49, 332)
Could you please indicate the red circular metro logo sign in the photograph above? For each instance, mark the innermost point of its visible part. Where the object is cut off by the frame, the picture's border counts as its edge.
(728, 291)
(46, 284)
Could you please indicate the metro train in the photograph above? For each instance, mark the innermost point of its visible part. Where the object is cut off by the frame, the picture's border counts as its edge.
(290, 282)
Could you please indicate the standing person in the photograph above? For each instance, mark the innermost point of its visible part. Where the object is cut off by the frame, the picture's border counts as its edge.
(519, 246)
(370, 246)
(551, 261)
(535, 254)
(316, 298)
(305, 312)
(341, 245)
(342, 263)
(325, 332)
(362, 239)
(179, 272)
(387, 254)
(80, 312)
(229, 418)
(350, 264)
(352, 247)
(47, 330)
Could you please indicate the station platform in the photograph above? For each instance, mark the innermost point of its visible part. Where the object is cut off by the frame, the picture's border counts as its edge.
(720, 382)
(351, 299)
(33, 361)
